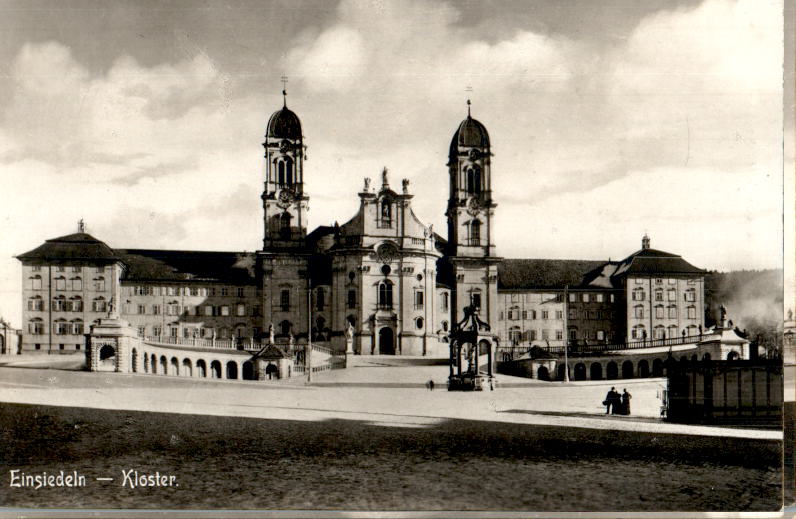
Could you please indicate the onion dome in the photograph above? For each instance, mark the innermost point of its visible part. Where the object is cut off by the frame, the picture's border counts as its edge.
(284, 124)
(470, 134)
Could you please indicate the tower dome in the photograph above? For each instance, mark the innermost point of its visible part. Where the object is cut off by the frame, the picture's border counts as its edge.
(471, 134)
(284, 124)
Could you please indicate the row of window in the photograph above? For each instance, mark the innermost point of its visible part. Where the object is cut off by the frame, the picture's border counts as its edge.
(639, 294)
(190, 310)
(587, 297)
(671, 311)
(536, 297)
(514, 314)
(59, 327)
(62, 268)
(150, 290)
(516, 336)
(62, 304)
(62, 284)
(639, 331)
(660, 281)
(591, 315)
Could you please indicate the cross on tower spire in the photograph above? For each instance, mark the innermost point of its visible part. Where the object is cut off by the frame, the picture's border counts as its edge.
(81, 226)
(284, 91)
(468, 89)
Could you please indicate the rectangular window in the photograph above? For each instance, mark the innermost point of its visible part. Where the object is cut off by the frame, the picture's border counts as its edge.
(672, 312)
(585, 298)
(142, 309)
(224, 291)
(36, 269)
(241, 310)
(241, 291)
(256, 310)
(157, 331)
(500, 316)
(155, 309)
(284, 300)
(100, 269)
(612, 298)
(659, 312)
(691, 312)
(559, 335)
(141, 331)
(658, 281)
(60, 269)
(573, 314)
(533, 314)
(599, 298)
(209, 310)
(672, 295)
(224, 310)
(600, 335)
(525, 314)
(545, 314)
(515, 298)
(559, 314)
(194, 291)
(532, 335)
(186, 333)
(639, 312)
(477, 300)
(545, 334)
(659, 295)
(419, 299)
(351, 302)
(573, 298)
(75, 269)
(174, 331)
(672, 281)
(60, 284)
(639, 281)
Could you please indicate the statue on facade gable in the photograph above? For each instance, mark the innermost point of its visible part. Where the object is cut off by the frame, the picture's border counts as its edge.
(366, 189)
(405, 185)
(384, 180)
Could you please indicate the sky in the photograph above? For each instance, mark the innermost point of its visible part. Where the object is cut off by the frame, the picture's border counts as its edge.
(607, 120)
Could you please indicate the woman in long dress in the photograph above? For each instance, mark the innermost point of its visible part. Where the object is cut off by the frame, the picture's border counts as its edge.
(626, 402)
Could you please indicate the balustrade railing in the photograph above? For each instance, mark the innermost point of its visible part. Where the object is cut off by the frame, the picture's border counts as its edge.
(581, 349)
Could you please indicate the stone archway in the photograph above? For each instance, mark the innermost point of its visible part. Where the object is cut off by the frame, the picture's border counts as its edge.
(627, 369)
(386, 341)
(215, 369)
(232, 370)
(596, 371)
(657, 368)
(542, 373)
(107, 358)
(580, 371)
(201, 368)
(187, 368)
(611, 371)
(248, 370)
(643, 368)
(271, 371)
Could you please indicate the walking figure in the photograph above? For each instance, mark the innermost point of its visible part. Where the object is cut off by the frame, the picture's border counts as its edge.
(431, 385)
(609, 400)
(626, 402)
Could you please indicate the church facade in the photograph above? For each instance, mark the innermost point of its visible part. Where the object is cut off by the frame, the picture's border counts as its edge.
(395, 281)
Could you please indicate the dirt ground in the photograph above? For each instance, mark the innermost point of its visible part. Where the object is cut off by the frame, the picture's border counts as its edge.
(245, 463)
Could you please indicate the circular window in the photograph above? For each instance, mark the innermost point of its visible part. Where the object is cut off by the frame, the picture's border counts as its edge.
(351, 275)
(419, 323)
(386, 270)
(420, 277)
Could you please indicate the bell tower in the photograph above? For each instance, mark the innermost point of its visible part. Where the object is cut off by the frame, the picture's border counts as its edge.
(284, 201)
(471, 248)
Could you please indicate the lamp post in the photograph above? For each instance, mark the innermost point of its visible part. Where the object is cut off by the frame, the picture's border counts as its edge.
(566, 333)
(308, 354)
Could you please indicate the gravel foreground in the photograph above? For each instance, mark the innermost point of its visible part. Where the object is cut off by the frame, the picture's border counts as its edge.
(248, 463)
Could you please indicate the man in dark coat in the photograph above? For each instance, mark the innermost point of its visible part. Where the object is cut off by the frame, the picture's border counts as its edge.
(609, 400)
(626, 402)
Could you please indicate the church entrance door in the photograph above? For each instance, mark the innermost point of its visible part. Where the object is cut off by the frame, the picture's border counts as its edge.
(386, 342)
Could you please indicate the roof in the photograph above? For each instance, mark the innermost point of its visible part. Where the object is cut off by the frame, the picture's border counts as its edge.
(284, 124)
(515, 274)
(470, 133)
(177, 265)
(78, 246)
(653, 262)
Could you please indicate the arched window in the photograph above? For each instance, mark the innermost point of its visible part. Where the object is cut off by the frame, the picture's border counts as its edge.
(474, 180)
(419, 323)
(59, 304)
(36, 326)
(61, 327)
(35, 282)
(98, 304)
(385, 295)
(515, 335)
(474, 229)
(283, 173)
(77, 327)
(638, 332)
(352, 299)
(444, 326)
(445, 301)
(660, 332)
(76, 283)
(284, 300)
(35, 304)
(320, 299)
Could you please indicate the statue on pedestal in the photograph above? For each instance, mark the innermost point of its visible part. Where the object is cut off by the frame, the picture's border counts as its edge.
(271, 338)
(349, 338)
